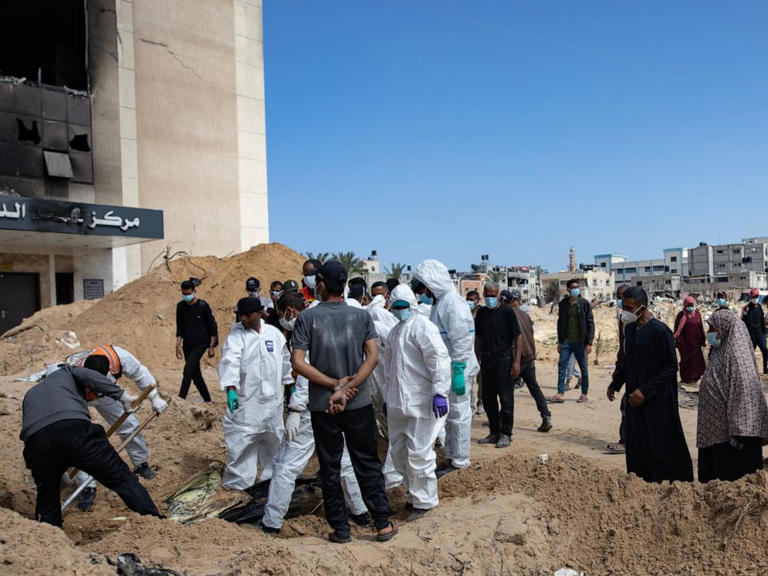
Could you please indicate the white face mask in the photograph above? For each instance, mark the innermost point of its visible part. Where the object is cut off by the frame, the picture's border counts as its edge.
(755, 300)
(310, 281)
(628, 317)
(288, 324)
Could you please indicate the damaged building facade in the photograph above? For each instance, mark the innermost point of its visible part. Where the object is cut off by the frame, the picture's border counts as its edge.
(127, 127)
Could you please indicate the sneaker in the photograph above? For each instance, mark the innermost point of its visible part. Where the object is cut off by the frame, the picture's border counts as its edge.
(479, 410)
(443, 470)
(490, 439)
(616, 448)
(87, 497)
(417, 513)
(361, 519)
(546, 424)
(504, 441)
(144, 471)
(268, 529)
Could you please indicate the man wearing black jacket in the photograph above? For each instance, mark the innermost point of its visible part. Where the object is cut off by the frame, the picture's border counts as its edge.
(57, 432)
(753, 316)
(575, 333)
(196, 331)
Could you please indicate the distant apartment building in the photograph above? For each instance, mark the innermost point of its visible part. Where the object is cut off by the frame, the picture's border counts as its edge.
(595, 283)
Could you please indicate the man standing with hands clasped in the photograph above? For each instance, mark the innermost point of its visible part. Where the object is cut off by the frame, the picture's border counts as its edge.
(341, 341)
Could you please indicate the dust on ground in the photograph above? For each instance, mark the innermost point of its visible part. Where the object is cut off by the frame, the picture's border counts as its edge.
(506, 514)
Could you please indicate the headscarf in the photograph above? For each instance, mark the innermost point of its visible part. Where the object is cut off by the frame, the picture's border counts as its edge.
(731, 400)
(684, 316)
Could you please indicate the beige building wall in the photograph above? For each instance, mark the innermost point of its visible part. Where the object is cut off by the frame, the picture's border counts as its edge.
(186, 122)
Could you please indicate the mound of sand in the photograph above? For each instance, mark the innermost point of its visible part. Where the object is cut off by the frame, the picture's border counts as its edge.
(141, 315)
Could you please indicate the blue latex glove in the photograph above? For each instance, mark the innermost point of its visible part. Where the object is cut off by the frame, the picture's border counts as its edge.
(439, 406)
(233, 402)
(458, 383)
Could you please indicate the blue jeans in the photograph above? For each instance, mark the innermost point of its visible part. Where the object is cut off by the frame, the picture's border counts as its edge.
(566, 349)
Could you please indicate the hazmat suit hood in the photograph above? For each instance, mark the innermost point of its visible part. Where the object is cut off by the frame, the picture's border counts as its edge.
(403, 292)
(435, 276)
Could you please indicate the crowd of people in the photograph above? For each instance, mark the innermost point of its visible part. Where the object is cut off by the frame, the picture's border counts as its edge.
(333, 365)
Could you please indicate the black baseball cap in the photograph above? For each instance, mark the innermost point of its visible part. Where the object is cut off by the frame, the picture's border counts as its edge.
(252, 284)
(333, 274)
(506, 295)
(291, 286)
(248, 305)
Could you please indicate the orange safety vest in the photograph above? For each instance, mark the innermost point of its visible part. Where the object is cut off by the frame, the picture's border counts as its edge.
(115, 367)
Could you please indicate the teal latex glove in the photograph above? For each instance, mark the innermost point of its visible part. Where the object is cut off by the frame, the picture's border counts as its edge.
(458, 383)
(233, 402)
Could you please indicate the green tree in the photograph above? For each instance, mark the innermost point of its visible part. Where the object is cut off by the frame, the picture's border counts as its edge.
(321, 256)
(395, 270)
(350, 261)
(496, 276)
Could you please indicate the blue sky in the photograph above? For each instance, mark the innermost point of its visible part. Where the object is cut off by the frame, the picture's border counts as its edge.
(454, 128)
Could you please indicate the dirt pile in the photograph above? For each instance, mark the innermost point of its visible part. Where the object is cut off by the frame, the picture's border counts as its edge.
(27, 547)
(141, 315)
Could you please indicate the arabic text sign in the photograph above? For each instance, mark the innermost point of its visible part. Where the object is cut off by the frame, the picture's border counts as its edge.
(41, 215)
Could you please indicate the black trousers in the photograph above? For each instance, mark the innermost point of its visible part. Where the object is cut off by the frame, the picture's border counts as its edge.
(528, 374)
(359, 428)
(758, 341)
(49, 452)
(498, 386)
(724, 462)
(192, 372)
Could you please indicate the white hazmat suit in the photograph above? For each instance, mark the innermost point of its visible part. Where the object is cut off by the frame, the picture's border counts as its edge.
(383, 321)
(453, 318)
(257, 365)
(293, 456)
(418, 367)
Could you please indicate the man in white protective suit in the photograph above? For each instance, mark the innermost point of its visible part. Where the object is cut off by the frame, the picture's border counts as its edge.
(255, 365)
(418, 369)
(453, 319)
(298, 445)
(383, 321)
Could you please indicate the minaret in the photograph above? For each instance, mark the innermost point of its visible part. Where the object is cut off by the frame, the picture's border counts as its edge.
(572, 261)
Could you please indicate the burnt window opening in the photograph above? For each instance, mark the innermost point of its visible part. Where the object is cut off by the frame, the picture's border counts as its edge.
(44, 40)
(80, 142)
(29, 135)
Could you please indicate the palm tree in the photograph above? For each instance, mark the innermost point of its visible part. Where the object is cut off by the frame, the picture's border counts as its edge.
(352, 263)
(395, 270)
(320, 256)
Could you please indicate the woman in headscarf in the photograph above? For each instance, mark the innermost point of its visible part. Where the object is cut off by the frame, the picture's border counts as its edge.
(733, 416)
(689, 338)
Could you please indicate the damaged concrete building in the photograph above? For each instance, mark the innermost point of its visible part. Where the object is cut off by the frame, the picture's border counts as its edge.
(126, 126)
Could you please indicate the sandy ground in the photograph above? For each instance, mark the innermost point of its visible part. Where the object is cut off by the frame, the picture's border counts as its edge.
(506, 514)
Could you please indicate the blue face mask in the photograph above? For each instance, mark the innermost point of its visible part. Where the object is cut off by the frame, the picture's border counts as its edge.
(471, 304)
(689, 308)
(618, 303)
(402, 314)
(712, 339)
(491, 301)
(721, 302)
(188, 297)
(424, 299)
(575, 292)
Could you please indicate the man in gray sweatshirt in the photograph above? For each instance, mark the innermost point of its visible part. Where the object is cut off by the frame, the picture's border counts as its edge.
(57, 432)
